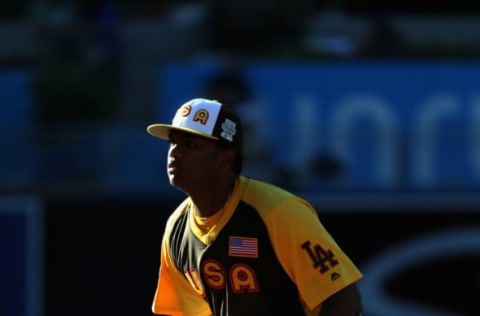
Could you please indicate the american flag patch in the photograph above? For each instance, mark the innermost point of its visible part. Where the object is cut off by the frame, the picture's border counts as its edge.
(243, 247)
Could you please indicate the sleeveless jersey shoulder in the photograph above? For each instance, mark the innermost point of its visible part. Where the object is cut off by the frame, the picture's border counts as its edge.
(181, 209)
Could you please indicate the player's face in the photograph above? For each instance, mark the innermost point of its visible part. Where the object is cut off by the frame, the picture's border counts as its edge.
(193, 162)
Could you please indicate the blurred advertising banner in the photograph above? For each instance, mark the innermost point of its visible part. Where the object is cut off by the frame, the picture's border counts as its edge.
(387, 125)
(21, 253)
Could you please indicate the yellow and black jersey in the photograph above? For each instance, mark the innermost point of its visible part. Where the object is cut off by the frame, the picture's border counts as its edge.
(268, 254)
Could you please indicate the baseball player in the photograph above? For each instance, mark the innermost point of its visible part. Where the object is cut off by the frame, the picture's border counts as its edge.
(237, 246)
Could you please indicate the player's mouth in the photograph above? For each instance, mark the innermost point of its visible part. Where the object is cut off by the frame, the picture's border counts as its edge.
(173, 168)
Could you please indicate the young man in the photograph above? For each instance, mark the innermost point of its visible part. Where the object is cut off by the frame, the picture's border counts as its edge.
(237, 246)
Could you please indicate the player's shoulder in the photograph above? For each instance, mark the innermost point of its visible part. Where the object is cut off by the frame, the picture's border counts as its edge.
(179, 211)
(265, 196)
(259, 190)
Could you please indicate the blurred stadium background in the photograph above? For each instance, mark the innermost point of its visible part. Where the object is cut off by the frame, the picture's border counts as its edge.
(370, 110)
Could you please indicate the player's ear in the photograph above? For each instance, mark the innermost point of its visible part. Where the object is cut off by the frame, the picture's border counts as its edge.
(228, 158)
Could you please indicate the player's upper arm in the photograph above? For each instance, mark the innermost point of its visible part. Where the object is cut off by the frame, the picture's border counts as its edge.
(345, 302)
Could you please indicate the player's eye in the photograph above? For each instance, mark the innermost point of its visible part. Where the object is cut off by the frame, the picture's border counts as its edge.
(190, 143)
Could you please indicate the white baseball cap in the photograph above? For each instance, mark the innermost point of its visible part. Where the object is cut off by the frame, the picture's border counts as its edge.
(203, 117)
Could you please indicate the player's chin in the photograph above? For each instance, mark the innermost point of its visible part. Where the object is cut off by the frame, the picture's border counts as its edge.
(176, 180)
(182, 184)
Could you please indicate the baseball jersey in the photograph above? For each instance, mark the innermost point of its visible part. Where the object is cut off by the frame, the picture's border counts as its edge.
(268, 254)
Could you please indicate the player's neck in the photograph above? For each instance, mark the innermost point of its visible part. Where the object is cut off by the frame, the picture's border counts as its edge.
(209, 203)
